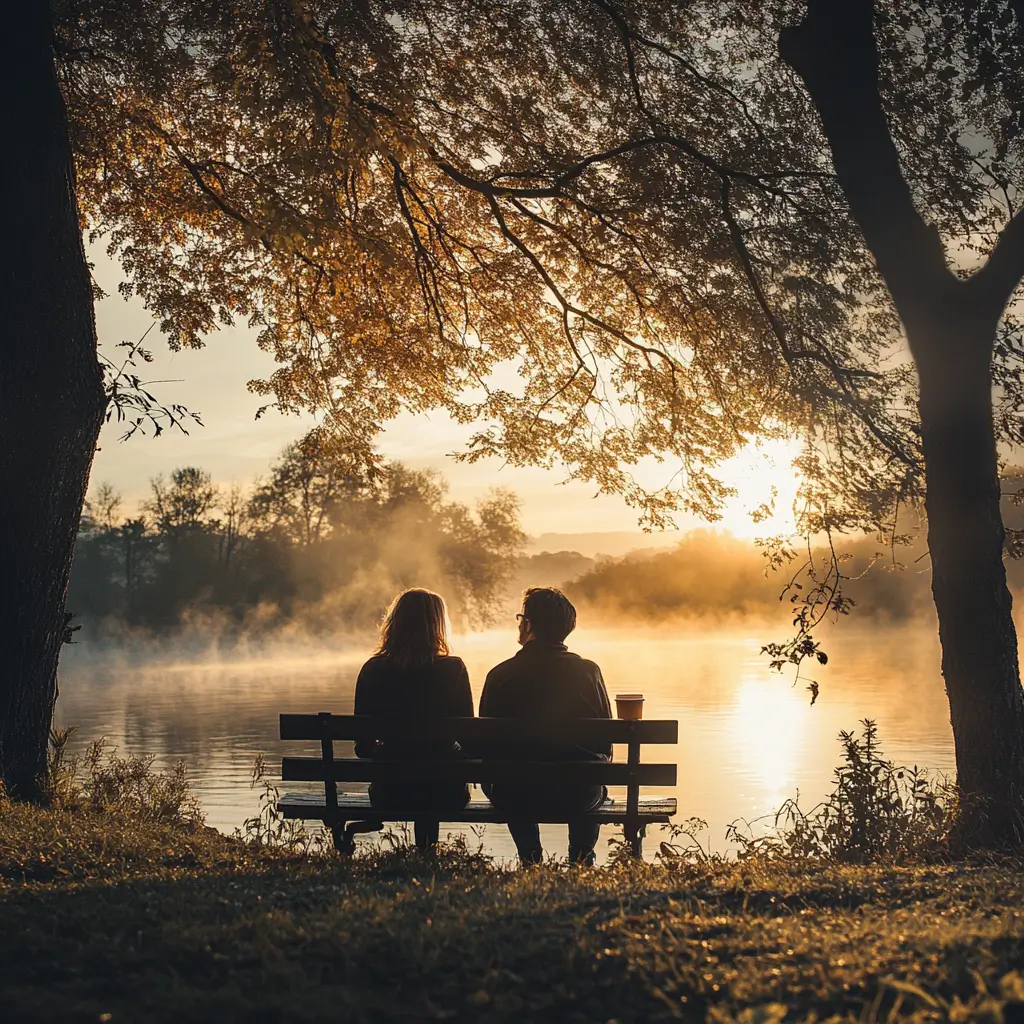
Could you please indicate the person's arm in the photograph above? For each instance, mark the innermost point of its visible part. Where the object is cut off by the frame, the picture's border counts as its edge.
(603, 703)
(487, 698)
(365, 704)
(460, 704)
(603, 706)
(489, 708)
(463, 703)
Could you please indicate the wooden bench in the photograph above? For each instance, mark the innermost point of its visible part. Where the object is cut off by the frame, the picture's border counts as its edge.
(343, 813)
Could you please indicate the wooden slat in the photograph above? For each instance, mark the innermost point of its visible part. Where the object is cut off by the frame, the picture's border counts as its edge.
(588, 732)
(357, 807)
(312, 769)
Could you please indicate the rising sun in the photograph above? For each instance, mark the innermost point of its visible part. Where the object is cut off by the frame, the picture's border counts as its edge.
(765, 480)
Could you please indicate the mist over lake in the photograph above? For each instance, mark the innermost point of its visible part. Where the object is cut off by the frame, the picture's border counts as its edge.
(749, 738)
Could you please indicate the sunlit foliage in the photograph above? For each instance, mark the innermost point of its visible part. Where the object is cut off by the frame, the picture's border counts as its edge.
(407, 199)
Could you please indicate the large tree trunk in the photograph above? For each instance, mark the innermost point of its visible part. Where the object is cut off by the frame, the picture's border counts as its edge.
(951, 326)
(965, 538)
(51, 389)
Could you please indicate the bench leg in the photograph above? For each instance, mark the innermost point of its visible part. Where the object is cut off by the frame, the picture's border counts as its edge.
(634, 835)
(344, 844)
(345, 835)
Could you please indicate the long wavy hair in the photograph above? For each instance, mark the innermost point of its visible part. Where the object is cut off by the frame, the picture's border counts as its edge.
(415, 629)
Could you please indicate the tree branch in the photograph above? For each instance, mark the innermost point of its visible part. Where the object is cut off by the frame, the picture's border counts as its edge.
(835, 53)
(847, 395)
(559, 182)
(630, 34)
(997, 280)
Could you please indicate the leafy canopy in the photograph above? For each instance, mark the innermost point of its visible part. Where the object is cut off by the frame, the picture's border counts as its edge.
(608, 232)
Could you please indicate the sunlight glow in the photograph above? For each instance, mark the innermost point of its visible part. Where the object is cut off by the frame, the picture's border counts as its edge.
(764, 478)
(766, 729)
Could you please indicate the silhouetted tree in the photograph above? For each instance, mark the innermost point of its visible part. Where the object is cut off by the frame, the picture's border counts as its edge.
(482, 549)
(235, 524)
(185, 504)
(136, 553)
(104, 506)
(51, 389)
(311, 476)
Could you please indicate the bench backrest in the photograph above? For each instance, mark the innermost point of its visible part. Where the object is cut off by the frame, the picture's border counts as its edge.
(584, 731)
(478, 733)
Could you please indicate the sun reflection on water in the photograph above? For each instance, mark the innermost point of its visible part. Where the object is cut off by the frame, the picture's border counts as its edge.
(766, 728)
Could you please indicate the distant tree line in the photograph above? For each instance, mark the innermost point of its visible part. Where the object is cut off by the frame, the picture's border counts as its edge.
(712, 575)
(317, 544)
(715, 576)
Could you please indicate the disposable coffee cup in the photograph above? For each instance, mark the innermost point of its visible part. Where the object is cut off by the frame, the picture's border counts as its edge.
(629, 706)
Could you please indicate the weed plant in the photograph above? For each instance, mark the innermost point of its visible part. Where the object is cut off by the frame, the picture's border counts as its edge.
(269, 829)
(877, 813)
(99, 781)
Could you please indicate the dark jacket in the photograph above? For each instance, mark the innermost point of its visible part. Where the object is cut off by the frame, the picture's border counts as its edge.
(440, 690)
(547, 681)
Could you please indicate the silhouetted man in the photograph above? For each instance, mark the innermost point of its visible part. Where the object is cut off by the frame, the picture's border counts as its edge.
(545, 680)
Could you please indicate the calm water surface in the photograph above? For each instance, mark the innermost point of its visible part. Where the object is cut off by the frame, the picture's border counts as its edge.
(748, 737)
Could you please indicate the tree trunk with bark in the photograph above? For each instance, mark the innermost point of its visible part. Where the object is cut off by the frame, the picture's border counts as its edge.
(965, 538)
(951, 326)
(52, 398)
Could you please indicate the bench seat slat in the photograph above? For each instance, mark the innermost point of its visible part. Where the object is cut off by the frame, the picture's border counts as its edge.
(313, 769)
(356, 807)
(588, 732)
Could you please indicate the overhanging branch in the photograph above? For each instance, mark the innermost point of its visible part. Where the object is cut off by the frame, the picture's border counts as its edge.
(845, 378)
(835, 53)
(997, 280)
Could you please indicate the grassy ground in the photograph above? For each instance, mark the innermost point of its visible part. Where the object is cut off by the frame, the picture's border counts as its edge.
(107, 918)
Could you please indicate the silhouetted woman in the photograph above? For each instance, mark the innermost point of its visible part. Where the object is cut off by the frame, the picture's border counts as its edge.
(413, 675)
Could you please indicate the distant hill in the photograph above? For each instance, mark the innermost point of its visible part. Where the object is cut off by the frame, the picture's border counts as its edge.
(714, 575)
(613, 544)
(551, 569)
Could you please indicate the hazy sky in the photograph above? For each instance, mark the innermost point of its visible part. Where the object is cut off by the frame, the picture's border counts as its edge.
(235, 447)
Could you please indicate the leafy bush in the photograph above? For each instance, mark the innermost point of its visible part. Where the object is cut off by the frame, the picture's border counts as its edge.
(878, 812)
(99, 781)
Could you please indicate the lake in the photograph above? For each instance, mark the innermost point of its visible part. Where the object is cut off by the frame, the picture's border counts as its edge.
(749, 738)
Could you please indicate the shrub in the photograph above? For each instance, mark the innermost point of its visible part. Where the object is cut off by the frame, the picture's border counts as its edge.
(101, 782)
(877, 812)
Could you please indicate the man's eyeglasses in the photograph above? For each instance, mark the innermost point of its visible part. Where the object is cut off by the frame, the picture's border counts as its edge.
(520, 616)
